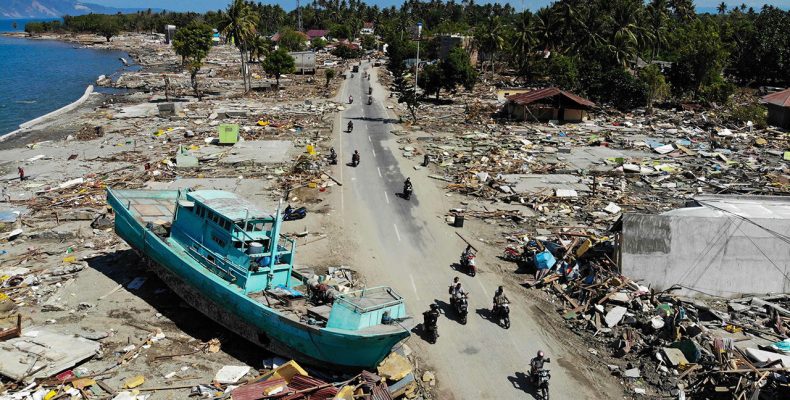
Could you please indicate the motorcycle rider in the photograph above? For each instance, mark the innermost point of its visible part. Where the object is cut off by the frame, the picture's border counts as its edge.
(370, 90)
(350, 125)
(355, 158)
(430, 318)
(332, 156)
(458, 293)
(537, 364)
(350, 99)
(499, 299)
(407, 187)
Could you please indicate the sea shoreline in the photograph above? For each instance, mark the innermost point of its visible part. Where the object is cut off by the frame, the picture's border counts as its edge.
(31, 125)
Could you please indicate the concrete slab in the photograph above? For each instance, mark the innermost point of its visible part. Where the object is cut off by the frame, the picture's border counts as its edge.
(614, 316)
(259, 152)
(40, 353)
(533, 183)
(138, 111)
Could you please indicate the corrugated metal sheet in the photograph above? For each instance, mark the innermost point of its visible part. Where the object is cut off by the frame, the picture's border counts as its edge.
(254, 391)
(381, 392)
(540, 94)
(300, 382)
(781, 99)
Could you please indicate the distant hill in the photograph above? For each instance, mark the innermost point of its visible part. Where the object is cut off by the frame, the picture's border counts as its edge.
(53, 8)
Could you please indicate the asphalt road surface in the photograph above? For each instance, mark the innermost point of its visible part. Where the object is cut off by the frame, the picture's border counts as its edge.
(407, 245)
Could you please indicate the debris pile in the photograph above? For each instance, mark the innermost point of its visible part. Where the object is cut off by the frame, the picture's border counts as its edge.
(656, 342)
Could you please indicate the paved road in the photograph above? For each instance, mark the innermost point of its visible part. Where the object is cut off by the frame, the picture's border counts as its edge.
(407, 245)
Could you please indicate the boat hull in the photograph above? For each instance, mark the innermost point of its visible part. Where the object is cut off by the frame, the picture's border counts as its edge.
(227, 305)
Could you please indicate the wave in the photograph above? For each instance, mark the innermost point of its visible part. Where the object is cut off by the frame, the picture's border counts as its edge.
(26, 101)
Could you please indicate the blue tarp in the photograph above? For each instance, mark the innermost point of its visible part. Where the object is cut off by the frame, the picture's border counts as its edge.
(544, 260)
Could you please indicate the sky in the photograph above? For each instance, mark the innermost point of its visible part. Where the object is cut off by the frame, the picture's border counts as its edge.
(205, 5)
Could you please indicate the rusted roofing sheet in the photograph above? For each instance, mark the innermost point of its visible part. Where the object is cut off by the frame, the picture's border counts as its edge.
(540, 94)
(781, 99)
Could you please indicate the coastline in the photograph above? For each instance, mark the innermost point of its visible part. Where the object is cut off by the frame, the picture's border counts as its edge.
(31, 125)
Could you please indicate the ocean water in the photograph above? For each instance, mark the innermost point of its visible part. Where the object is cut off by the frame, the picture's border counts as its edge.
(39, 76)
(7, 25)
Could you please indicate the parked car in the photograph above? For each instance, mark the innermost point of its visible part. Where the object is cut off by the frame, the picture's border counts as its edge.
(330, 63)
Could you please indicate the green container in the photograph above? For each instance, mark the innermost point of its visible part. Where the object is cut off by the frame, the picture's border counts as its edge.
(228, 133)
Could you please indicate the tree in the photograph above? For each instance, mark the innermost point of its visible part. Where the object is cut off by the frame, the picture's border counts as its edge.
(292, 40)
(491, 39)
(318, 43)
(108, 27)
(259, 48)
(407, 95)
(700, 57)
(368, 42)
(657, 87)
(239, 25)
(193, 43)
(277, 63)
(457, 70)
(346, 52)
(523, 42)
(329, 74)
(431, 79)
(722, 8)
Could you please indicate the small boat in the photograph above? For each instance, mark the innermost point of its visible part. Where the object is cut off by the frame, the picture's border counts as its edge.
(225, 257)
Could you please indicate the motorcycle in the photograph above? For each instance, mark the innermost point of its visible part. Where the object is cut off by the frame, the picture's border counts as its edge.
(430, 326)
(355, 159)
(541, 380)
(293, 214)
(407, 190)
(370, 100)
(333, 159)
(461, 308)
(370, 90)
(512, 254)
(350, 99)
(350, 126)
(468, 263)
(502, 315)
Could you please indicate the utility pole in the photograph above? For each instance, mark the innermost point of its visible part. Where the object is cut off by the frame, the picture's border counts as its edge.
(298, 16)
(417, 68)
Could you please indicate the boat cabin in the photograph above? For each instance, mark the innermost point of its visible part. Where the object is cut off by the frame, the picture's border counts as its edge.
(234, 238)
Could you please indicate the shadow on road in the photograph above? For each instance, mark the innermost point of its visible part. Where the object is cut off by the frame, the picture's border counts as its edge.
(485, 313)
(520, 381)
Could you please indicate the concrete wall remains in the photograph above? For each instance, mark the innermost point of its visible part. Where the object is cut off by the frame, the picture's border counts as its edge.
(721, 256)
(779, 116)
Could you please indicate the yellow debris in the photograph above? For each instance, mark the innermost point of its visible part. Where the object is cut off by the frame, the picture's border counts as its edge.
(287, 371)
(82, 383)
(50, 394)
(134, 382)
(760, 142)
(346, 393)
(70, 259)
(395, 367)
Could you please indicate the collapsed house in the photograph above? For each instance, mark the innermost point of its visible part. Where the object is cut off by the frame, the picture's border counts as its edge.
(547, 104)
(721, 246)
(778, 108)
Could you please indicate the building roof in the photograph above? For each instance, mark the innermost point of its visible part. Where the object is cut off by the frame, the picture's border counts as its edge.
(750, 207)
(316, 33)
(229, 205)
(781, 99)
(276, 36)
(368, 25)
(540, 94)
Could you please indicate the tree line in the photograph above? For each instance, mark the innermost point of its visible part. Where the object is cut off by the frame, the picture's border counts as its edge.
(625, 52)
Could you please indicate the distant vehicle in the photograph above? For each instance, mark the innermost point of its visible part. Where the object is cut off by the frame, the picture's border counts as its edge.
(330, 63)
(355, 68)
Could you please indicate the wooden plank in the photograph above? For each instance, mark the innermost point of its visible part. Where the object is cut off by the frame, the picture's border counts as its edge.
(565, 296)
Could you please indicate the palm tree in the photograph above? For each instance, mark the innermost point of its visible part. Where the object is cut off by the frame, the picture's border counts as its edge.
(491, 38)
(524, 40)
(548, 29)
(627, 36)
(722, 8)
(239, 25)
(657, 17)
(259, 48)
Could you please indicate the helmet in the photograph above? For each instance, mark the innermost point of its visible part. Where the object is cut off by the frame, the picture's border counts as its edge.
(408, 179)
(540, 353)
(501, 289)
(458, 285)
(434, 306)
(456, 279)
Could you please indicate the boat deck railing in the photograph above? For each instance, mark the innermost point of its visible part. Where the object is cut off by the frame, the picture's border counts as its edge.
(230, 266)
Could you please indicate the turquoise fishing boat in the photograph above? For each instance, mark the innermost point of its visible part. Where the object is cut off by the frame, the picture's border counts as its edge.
(225, 257)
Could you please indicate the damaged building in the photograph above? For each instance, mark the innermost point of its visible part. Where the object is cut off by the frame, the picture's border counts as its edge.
(719, 245)
(547, 104)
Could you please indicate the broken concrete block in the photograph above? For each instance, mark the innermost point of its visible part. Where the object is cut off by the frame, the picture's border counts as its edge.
(632, 373)
(614, 316)
(43, 351)
(674, 357)
(612, 208)
(231, 373)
